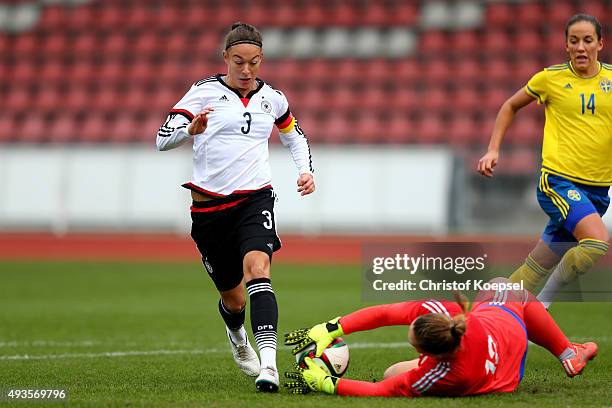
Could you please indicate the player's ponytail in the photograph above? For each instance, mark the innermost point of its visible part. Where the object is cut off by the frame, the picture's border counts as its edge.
(440, 334)
(242, 33)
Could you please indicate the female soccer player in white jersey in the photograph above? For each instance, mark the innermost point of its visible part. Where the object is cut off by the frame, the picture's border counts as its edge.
(230, 118)
(576, 159)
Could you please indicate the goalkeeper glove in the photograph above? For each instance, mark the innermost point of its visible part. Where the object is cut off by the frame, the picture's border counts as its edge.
(321, 334)
(312, 378)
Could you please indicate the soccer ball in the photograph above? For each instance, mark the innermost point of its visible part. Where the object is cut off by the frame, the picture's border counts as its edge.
(334, 360)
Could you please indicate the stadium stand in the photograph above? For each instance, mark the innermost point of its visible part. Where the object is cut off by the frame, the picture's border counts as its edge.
(355, 71)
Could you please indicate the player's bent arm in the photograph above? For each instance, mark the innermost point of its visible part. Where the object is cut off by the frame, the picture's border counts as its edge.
(294, 138)
(394, 314)
(505, 116)
(173, 132)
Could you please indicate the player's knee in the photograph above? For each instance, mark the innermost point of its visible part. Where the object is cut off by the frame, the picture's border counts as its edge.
(234, 304)
(256, 266)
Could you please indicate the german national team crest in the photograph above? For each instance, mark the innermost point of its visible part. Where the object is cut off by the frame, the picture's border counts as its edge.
(605, 84)
(573, 195)
(266, 106)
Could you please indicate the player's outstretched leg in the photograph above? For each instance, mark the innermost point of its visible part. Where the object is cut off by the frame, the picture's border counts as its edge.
(244, 355)
(544, 331)
(264, 319)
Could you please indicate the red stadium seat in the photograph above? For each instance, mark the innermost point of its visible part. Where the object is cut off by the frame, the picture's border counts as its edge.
(111, 16)
(463, 130)
(433, 43)
(53, 17)
(115, 44)
(7, 127)
(467, 71)
(18, 99)
(368, 129)
(81, 18)
(464, 43)
(63, 129)
(54, 45)
(528, 42)
(283, 14)
(4, 44)
(500, 15)
(527, 67)
(559, 11)
(47, 99)
(375, 14)
(348, 69)
(496, 42)
(94, 128)
(343, 14)
(338, 129)
(497, 70)
(399, 129)
(76, 99)
(25, 44)
(125, 129)
(81, 71)
(32, 130)
(529, 14)
(24, 72)
(374, 99)
(466, 99)
(405, 99)
(436, 72)
(493, 99)
(403, 13)
(52, 72)
(406, 71)
(376, 71)
(435, 99)
(313, 98)
(431, 129)
(344, 99)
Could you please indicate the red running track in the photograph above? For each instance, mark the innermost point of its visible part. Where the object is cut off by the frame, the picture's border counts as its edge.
(172, 247)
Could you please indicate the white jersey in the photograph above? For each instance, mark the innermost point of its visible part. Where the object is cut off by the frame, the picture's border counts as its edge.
(231, 155)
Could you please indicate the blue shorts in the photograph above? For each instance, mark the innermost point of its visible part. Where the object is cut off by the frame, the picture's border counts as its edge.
(566, 203)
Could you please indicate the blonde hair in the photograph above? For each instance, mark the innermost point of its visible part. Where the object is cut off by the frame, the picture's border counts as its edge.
(440, 334)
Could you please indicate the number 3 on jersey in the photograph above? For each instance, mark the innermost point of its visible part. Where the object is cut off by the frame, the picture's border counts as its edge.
(268, 223)
(590, 104)
(248, 117)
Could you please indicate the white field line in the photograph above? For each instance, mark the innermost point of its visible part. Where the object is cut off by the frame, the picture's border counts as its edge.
(170, 352)
(63, 356)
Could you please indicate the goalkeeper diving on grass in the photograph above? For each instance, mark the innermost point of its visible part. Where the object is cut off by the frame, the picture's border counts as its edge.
(461, 353)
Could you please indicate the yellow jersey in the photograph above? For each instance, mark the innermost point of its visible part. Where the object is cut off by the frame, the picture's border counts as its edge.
(578, 130)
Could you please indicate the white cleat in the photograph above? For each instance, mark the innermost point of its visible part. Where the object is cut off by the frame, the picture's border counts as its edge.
(267, 380)
(245, 357)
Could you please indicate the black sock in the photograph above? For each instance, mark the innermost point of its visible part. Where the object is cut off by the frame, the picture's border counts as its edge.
(232, 320)
(264, 318)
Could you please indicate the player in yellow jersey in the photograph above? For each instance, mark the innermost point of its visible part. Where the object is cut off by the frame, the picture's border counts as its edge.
(576, 158)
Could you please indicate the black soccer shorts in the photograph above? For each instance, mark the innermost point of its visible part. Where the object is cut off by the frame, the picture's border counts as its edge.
(227, 228)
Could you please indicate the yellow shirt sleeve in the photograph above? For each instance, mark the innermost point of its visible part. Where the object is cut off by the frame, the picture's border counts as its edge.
(538, 87)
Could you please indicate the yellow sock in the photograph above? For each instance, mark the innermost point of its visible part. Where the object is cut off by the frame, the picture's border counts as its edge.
(581, 258)
(531, 273)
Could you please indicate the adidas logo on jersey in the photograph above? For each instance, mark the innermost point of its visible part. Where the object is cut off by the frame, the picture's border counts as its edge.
(568, 86)
(224, 98)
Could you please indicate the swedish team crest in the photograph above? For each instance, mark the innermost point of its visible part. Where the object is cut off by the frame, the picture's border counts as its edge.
(573, 195)
(605, 84)
(266, 106)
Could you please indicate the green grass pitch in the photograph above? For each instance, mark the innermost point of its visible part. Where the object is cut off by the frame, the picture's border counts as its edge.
(149, 334)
